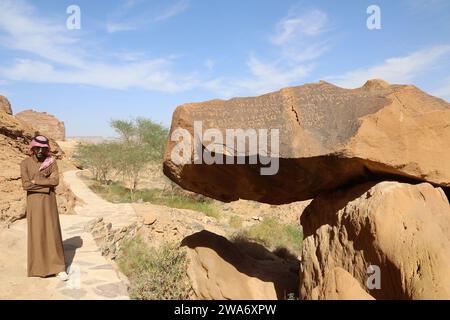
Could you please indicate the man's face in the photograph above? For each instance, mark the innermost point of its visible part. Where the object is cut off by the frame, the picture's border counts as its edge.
(40, 152)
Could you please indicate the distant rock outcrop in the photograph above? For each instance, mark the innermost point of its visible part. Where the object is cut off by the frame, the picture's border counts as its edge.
(328, 137)
(5, 106)
(45, 123)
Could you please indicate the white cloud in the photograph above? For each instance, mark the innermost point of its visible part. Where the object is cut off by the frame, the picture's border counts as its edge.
(130, 56)
(299, 34)
(25, 31)
(298, 38)
(55, 56)
(394, 70)
(221, 87)
(297, 25)
(150, 75)
(58, 57)
(144, 17)
(271, 76)
(265, 77)
(118, 27)
(172, 11)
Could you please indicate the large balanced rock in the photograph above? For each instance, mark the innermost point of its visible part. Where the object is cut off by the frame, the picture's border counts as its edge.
(328, 137)
(402, 229)
(5, 106)
(219, 270)
(45, 123)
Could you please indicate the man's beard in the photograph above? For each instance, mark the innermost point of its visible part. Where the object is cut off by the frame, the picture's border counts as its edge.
(40, 156)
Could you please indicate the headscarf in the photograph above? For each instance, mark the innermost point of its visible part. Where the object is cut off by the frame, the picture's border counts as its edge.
(43, 142)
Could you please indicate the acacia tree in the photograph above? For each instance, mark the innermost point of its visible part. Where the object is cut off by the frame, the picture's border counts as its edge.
(153, 136)
(97, 158)
(125, 128)
(142, 142)
(131, 162)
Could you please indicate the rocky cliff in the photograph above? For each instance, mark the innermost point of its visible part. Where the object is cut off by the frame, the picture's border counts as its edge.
(45, 123)
(5, 106)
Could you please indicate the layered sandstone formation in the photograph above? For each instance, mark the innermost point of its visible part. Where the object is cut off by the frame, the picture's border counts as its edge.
(375, 160)
(5, 106)
(328, 137)
(15, 136)
(45, 123)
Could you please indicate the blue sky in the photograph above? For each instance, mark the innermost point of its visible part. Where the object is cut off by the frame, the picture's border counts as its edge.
(143, 58)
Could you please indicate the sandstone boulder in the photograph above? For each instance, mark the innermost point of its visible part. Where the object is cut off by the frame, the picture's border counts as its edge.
(403, 229)
(329, 137)
(219, 270)
(45, 123)
(148, 218)
(5, 106)
(340, 285)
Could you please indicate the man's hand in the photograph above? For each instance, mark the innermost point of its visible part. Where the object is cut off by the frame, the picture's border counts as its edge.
(33, 182)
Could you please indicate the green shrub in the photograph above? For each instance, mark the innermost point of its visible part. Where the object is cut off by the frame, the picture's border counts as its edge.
(118, 193)
(155, 273)
(291, 296)
(275, 235)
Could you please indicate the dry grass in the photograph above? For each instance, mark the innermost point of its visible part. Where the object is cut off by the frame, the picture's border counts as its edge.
(275, 236)
(155, 273)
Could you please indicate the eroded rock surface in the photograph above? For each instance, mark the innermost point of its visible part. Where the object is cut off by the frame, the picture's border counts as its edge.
(340, 285)
(45, 123)
(219, 270)
(329, 137)
(5, 106)
(404, 229)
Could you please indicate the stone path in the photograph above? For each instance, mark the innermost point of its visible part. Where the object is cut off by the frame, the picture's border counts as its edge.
(92, 276)
(119, 214)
